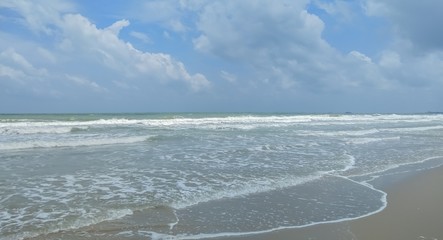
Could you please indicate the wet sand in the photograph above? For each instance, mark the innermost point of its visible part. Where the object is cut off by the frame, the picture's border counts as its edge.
(414, 211)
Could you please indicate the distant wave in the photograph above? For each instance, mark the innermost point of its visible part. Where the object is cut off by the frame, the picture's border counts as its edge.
(72, 142)
(370, 140)
(245, 122)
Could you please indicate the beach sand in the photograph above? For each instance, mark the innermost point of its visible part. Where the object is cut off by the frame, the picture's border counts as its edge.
(414, 211)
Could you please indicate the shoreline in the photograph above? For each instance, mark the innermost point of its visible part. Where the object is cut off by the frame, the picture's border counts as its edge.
(413, 211)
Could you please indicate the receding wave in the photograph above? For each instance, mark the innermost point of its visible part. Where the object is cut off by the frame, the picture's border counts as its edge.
(73, 224)
(253, 187)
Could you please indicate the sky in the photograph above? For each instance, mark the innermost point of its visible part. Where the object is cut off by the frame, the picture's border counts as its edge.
(305, 56)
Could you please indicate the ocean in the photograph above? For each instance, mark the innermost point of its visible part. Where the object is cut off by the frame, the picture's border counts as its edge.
(200, 175)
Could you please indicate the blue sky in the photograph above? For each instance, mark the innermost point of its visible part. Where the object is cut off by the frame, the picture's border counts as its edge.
(221, 55)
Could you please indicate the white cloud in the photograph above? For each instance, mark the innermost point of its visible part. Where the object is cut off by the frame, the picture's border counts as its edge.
(201, 43)
(238, 29)
(279, 39)
(79, 45)
(390, 59)
(284, 45)
(41, 16)
(423, 70)
(46, 55)
(121, 56)
(338, 8)
(168, 13)
(141, 36)
(167, 68)
(374, 8)
(20, 75)
(156, 10)
(360, 56)
(361, 71)
(11, 73)
(415, 56)
(117, 26)
(228, 76)
(86, 83)
(17, 59)
(272, 47)
(413, 20)
(17, 62)
(177, 26)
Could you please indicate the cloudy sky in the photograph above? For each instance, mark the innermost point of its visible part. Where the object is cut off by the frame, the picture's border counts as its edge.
(221, 55)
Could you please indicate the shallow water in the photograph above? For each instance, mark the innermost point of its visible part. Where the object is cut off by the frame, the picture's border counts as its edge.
(187, 176)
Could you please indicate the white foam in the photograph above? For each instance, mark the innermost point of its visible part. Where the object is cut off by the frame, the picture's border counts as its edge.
(338, 133)
(257, 185)
(37, 143)
(160, 236)
(370, 140)
(416, 129)
(379, 172)
(350, 164)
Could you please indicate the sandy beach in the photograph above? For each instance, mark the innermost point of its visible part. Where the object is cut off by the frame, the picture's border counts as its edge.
(413, 212)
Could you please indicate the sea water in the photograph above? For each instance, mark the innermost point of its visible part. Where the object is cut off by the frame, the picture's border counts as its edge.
(191, 176)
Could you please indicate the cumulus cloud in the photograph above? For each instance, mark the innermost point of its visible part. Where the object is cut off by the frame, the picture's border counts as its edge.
(7, 72)
(281, 40)
(283, 43)
(360, 56)
(41, 17)
(413, 20)
(390, 60)
(415, 55)
(117, 26)
(18, 74)
(236, 29)
(165, 12)
(86, 83)
(121, 56)
(340, 8)
(17, 67)
(79, 45)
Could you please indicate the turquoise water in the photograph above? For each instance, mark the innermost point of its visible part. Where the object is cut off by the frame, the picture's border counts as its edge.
(188, 176)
